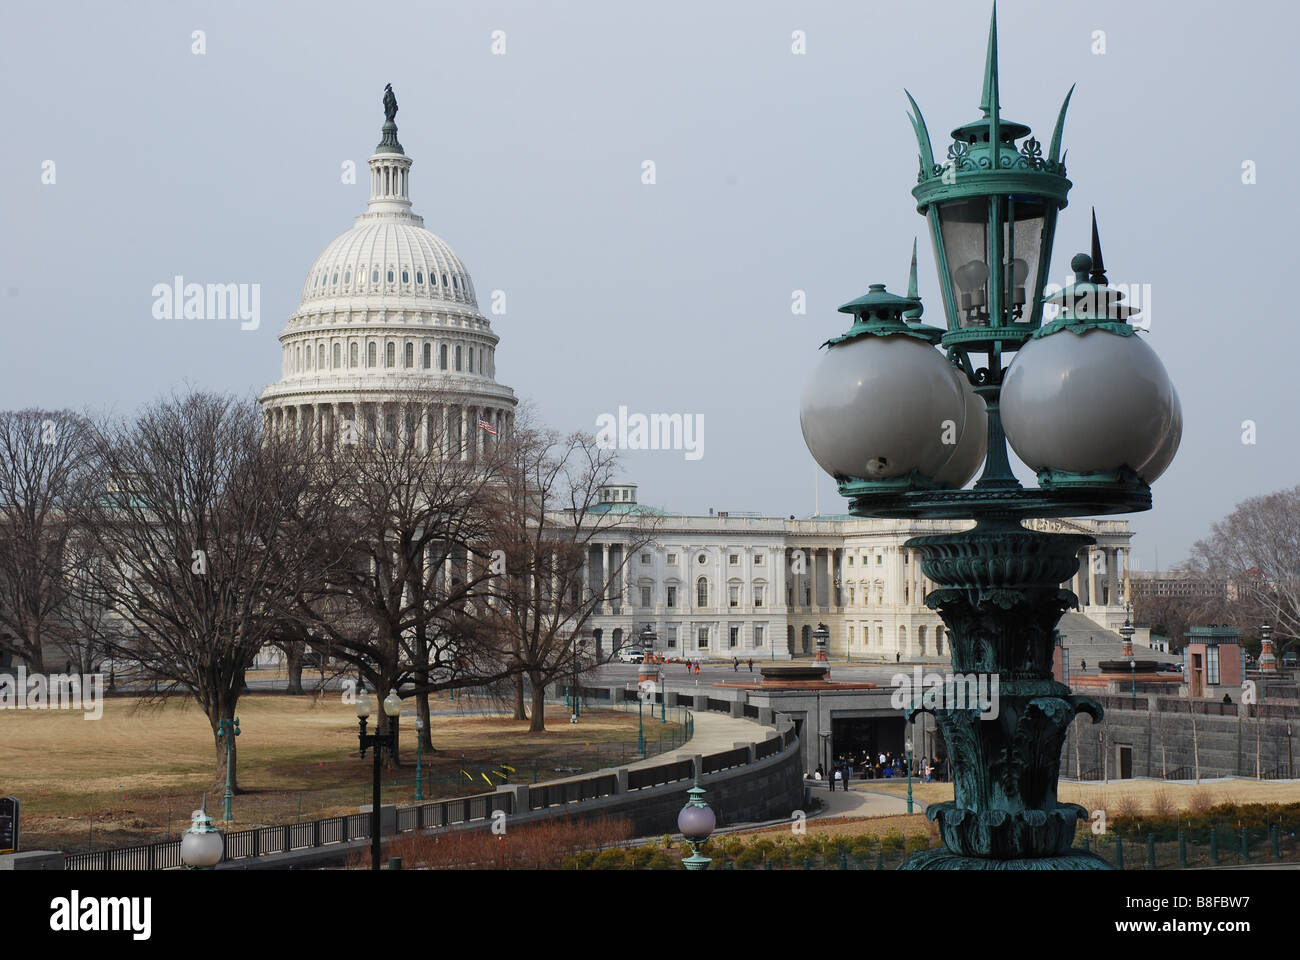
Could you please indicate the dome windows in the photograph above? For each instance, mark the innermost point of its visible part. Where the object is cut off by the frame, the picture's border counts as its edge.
(470, 367)
(444, 279)
(419, 277)
(458, 357)
(428, 355)
(408, 356)
(406, 276)
(347, 277)
(371, 353)
(442, 357)
(352, 355)
(390, 275)
(374, 276)
(336, 277)
(390, 354)
(338, 352)
(455, 282)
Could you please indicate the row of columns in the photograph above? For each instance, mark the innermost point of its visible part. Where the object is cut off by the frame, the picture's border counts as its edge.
(452, 429)
(1103, 565)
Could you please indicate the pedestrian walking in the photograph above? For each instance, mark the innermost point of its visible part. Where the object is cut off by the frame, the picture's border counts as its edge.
(848, 770)
(735, 664)
(835, 779)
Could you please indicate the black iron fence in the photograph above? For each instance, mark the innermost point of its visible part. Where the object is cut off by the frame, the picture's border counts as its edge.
(261, 841)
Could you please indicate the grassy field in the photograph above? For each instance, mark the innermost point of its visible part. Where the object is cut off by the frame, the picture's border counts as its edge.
(134, 775)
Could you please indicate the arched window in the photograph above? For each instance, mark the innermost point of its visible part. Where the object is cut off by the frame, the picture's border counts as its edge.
(370, 353)
(338, 355)
(409, 359)
(320, 357)
(297, 363)
(352, 355)
(390, 354)
(471, 360)
(702, 592)
(442, 357)
(458, 356)
(428, 355)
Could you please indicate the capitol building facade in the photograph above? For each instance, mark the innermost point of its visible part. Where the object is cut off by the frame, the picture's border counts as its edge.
(388, 345)
(747, 586)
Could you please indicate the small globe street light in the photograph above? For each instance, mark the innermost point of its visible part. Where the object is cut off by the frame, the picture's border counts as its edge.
(202, 845)
(375, 741)
(696, 822)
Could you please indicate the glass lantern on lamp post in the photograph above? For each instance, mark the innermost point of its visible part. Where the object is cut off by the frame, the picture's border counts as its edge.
(903, 427)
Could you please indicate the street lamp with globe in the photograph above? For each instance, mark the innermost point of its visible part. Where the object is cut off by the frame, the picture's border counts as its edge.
(202, 845)
(903, 427)
(696, 821)
(392, 706)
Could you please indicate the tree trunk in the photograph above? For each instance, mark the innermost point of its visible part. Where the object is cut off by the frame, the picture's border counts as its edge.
(520, 712)
(538, 724)
(422, 711)
(293, 663)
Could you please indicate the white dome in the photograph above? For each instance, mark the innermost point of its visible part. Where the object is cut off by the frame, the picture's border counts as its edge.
(388, 337)
(386, 258)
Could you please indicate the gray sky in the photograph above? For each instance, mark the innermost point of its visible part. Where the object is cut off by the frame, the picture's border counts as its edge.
(775, 172)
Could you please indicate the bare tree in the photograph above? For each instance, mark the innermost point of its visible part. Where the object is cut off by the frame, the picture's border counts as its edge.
(406, 544)
(547, 517)
(196, 546)
(1257, 549)
(47, 471)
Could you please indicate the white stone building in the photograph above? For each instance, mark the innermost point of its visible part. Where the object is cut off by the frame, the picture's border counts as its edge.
(388, 317)
(746, 586)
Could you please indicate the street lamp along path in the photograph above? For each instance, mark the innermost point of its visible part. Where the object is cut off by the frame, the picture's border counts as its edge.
(891, 442)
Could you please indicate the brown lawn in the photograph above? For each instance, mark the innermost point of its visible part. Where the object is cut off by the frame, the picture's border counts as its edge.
(134, 775)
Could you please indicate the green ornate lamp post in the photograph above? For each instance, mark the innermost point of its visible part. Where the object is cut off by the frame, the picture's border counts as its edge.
(903, 427)
(696, 821)
(227, 730)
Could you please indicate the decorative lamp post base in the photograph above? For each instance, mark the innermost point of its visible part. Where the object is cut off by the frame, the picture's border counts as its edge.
(998, 591)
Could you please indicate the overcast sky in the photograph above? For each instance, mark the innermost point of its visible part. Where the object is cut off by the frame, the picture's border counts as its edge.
(775, 172)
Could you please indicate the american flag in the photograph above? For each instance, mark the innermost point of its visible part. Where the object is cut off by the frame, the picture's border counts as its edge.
(486, 425)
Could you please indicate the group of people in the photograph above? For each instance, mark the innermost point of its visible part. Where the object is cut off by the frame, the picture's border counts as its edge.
(884, 766)
(735, 664)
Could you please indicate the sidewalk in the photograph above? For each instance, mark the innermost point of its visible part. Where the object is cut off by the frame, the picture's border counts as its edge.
(861, 802)
(714, 733)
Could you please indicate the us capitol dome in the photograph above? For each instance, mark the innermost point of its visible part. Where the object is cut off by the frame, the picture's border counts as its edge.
(388, 343)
